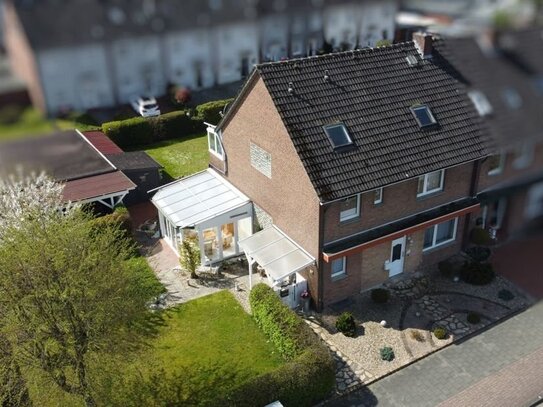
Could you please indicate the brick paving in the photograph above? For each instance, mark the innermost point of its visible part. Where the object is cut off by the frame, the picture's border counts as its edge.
(466, 373)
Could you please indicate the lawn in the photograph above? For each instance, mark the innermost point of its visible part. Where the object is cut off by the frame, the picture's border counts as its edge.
(181, 157)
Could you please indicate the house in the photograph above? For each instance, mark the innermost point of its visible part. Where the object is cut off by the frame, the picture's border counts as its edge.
(68, 157)
(359, 165)
(82, 54)
(505, 82)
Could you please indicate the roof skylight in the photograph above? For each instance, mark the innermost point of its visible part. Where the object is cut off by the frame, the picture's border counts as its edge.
(338, 135)
(423, 115)
(481, 103)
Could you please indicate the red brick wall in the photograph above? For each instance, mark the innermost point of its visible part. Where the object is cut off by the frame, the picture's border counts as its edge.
(399, 201)
(21, 56)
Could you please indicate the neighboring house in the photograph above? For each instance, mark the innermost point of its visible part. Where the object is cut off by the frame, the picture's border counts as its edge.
(360, 166)
(68, 157)
(138, 166)
(83, 54)
(505, 79)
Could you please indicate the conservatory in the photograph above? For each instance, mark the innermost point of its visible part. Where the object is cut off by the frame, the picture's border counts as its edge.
(207, 207)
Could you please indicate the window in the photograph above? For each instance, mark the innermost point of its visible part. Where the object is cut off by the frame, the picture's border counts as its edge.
(440, 234)
(512, 98)
(481, 103)
(378, 196)
(423, 115)
(430, 183)
(523, 156)
(261, 160)
(350, 208)
(338, 135)
(338, 267)
(496, 163)
(214, 143)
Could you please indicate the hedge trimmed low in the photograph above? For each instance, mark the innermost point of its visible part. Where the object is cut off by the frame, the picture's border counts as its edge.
(309, 374)
(210, 112)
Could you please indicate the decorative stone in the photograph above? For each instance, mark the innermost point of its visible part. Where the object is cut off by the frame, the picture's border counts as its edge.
(456, 279)
(383, 323)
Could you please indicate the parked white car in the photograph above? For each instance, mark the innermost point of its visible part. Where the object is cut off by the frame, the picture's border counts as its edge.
(145, 106)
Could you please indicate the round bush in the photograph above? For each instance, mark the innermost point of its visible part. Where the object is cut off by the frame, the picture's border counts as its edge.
(440, 333)
(473, 318)
(505, 295)
(477, 273)
(379, 295)
(387, 353)
(346, 324)
(478, 253)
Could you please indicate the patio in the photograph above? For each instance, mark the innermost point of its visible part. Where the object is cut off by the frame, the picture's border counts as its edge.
(417, 304)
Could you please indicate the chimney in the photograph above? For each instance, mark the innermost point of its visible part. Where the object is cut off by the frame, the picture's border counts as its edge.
(423, 43)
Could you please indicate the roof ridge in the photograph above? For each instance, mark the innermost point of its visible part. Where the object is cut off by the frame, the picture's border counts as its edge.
(358, 51)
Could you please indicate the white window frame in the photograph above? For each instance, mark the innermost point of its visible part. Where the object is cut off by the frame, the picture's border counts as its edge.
(340, 273)
(414, 109)
(377, 201)
(216, 141)
(501, 165)
(525, 158)
(345, 217)
(434, 244)
(425, 190)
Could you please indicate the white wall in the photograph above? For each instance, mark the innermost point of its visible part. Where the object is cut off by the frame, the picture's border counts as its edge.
(75, 78)
(235, 43)
(138, 67)
(189, 59)
(377, 20)
(274, 34)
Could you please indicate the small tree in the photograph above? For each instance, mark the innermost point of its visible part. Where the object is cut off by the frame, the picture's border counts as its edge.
(189, 255)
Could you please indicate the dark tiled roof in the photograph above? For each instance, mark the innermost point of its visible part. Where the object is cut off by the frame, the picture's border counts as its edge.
(53, 23)
(134, 160)
(513, 64)
(371, 91)
(64, 156)
(399, 225)
(96, 186)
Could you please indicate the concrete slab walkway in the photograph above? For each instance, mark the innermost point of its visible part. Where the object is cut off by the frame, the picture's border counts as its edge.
(500, 367)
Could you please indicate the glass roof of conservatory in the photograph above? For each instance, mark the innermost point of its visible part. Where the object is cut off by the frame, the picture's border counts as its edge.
(197, 198)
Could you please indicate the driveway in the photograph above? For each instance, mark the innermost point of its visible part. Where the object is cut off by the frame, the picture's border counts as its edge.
(502, 366)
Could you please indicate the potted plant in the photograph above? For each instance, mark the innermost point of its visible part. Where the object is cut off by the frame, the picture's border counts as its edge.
(306, 298)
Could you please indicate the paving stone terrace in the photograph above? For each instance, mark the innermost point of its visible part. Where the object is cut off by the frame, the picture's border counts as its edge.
(418, 303)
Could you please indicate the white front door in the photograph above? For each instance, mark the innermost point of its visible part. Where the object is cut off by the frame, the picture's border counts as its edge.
(397, 251)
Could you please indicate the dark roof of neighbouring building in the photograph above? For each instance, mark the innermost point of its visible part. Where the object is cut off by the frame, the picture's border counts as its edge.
(63, 155)
(371, 92)
(97, 186)
(102, 142)
(514, 63)
(134, 160)
(54, 23)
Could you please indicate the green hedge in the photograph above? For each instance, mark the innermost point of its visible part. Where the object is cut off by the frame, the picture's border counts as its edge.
(309, 374)
(140, 131)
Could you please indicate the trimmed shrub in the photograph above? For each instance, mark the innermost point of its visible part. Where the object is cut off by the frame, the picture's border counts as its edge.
(379, 295)
(446, 268)
(309, 374)
(440, 333)
(210, 112)
(130, 132)
(481, 237)
(473, 318)
(478, 253)
(346, 324)
(505, 295)
(477, 273)
(387, 353)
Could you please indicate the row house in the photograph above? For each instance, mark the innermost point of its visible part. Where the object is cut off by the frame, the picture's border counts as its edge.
(81, 54)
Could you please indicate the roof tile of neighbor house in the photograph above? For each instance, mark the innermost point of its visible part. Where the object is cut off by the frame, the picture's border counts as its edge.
(513, 66)
(133, 160)
(102, 142)
(96, 186)
(371, 92)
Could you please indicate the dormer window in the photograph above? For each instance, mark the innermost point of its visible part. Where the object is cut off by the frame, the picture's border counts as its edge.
(423, 115)
(480, 102)
(512, 98)
(338, 135)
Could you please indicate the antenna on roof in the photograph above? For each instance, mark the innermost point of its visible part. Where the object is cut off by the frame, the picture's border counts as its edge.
(326, 76)
(290, 88)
